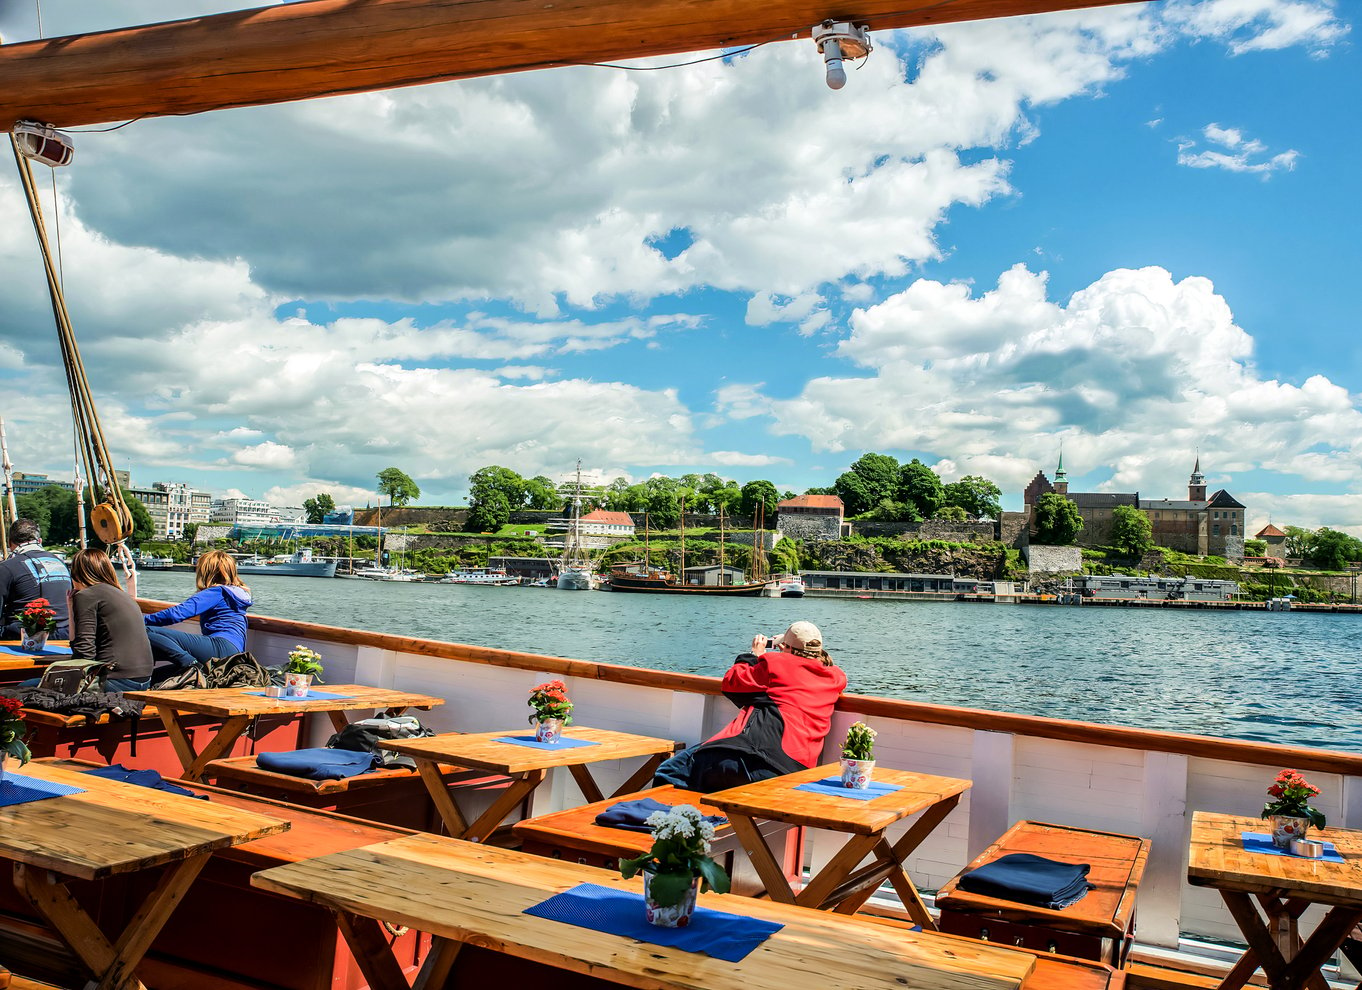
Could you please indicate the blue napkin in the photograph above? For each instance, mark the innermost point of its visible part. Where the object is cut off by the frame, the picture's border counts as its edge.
(633, 815)
(832, 787)
(725, 936)
(1261, 842)
(46, 651)
(18, 788)
(312, 695)
(320, 764)
(563, 743)
(1030, 879)
(142, 778)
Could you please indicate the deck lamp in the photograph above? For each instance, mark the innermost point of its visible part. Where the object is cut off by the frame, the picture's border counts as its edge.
(43, 143)
(839, 40)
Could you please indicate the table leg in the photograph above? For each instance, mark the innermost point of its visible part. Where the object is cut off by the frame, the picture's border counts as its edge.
(642, 777)
(586, 783)
(762, 859)
(338, 720)
(179, 738)
(1303, 970)
(372, 952)
(835, 871)
(113, 964)
(221, 744)
(898, 854)
(489, 820)
(435, 970)
(442, 798)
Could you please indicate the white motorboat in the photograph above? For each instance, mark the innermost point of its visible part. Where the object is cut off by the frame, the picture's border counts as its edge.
(490, 576)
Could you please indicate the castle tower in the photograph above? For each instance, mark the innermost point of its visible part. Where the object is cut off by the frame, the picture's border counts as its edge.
(1196, 487)
(1062, 479)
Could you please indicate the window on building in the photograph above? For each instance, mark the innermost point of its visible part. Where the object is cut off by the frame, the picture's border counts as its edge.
(1215, 530)
(1234, 529)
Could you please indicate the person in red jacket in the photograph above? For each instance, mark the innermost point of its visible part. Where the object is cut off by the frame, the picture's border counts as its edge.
(786, 690)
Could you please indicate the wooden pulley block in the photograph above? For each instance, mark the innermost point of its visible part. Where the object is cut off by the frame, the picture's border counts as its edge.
(112, 523)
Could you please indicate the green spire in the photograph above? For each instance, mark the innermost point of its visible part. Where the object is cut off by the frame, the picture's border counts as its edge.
(1059, 471)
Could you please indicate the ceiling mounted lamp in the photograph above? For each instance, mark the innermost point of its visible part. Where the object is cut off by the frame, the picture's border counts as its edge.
(839, 40)
(43, 143)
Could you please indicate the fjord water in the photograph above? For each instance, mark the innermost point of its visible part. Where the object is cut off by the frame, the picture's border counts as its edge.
(1266, 676)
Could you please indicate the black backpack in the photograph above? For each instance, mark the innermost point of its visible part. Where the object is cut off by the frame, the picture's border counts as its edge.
(363, 737)
(238, 670)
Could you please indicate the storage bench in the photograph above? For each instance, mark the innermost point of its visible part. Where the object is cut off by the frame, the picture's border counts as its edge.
(1101, 926)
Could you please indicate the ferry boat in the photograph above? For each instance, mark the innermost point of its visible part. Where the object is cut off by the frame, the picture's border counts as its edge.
(298, 564)
(489, 576)
(1114, 778)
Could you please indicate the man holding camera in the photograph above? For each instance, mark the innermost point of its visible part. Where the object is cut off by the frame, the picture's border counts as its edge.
(786, 689)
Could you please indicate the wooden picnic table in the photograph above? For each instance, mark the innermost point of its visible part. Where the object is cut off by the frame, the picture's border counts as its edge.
(16, 666)
(114, 828)
(1283, 886)
(466, 893)
(840, 884)
(526, 764)
(239, 707)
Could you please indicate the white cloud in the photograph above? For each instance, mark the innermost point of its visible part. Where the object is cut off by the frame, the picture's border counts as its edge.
(1260, 25)
(269, 454)
(1244, 154)
(733, 458)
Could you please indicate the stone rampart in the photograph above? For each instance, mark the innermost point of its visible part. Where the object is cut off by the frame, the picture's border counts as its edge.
(798, 526)
(948, 530)
(1053, 560)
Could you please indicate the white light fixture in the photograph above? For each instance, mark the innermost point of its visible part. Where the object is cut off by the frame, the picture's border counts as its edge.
(839, 40)
(43, 143)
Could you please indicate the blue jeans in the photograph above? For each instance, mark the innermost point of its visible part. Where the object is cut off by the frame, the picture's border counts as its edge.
(184, 649)
(714, 770)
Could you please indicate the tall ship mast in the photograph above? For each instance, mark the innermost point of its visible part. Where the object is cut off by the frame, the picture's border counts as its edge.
(576, 572)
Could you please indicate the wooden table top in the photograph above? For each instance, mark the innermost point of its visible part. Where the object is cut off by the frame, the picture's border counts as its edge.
(576, 828)
(227, 702)
(480, 751)
(777, 799)
(1218, 859)
(473, 892)
(1117, 864)
(30, 662)
(118, 828)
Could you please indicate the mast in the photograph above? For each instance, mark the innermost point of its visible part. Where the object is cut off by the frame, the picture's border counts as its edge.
(300, 51)
(683, 539)
(8, 469)
(721, 545)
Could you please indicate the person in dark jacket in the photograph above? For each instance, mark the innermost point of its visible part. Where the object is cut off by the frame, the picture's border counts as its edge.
(28, 573)
(786, 691)
(106, 623)
(220, 604)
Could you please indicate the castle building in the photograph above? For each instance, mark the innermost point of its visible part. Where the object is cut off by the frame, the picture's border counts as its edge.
(1194, 525)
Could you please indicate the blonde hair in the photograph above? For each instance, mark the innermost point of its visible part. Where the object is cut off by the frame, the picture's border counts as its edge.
(214, 568)
(91, 567)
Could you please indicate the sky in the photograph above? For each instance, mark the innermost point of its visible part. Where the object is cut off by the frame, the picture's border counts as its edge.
(1127, 233)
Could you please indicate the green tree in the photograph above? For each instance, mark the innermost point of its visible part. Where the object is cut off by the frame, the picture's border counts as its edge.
(488, 513)
(1131, 531)
(978, 496)
(1056, 520)
(318, 508)
(759, 494)
(890, 511)
(398, 486)
(830, 490)
(38, 510)
(920, 487)
(493, 493)
(1333, 551)
(1255, 548)
(952, 513)
(142, 526)
(1299, 542)
(855, 494)
(190, 531)
(541, 493)
(662, 501)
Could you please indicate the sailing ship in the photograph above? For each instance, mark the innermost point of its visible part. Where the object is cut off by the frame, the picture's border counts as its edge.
(647, 579)
(576, 571)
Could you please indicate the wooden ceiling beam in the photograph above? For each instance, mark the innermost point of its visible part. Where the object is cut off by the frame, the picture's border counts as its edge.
(299, 51)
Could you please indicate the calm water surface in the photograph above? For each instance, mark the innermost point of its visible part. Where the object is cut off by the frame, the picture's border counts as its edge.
(1269, 676)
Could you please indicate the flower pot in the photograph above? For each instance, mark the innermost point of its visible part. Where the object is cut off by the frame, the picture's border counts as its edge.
(1285, 828)
(4, 756)
(856, 774)
(548, 730)
(669, 915)
(34, 642)
(297, 685)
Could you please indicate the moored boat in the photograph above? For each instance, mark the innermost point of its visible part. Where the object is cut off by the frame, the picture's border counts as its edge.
(652, 580)
(487, 576)
(299, 564)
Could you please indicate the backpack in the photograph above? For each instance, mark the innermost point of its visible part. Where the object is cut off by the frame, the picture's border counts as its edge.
(363, 737)
(182, 678)
(238, 670)
(68, 677)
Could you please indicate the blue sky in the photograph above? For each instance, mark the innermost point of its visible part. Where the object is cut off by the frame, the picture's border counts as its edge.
(1129, 231)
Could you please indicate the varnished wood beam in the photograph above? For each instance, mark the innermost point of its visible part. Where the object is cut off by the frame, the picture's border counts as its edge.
(298, 51)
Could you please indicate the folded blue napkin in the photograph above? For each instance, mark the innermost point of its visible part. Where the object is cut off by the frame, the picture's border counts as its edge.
(46, 651)
(18, 788)
(633, 815)
(725, 936)
(142, 778)
(1261, 842)
(312, 695)
(321, 763)
(563, 743)
(1030, 879)
(832, 787)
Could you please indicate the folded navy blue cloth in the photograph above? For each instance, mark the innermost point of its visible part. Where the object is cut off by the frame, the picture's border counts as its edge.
(633, 815)
(320, 764)
(1030, 879)
(142, 778)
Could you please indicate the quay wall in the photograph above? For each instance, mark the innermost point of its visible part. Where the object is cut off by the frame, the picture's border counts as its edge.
(1114, 778)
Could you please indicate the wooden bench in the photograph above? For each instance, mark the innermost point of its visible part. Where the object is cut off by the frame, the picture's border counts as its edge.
(390, 796)
(226, 934)
(1101, 926)
(573, 835)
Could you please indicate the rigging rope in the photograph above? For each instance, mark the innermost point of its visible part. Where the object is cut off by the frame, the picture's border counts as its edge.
(109, 514)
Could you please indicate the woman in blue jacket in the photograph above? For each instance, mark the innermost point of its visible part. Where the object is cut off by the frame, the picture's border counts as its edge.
(220, 604)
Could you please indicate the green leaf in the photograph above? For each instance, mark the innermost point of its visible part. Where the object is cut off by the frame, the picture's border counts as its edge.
(714, 876)
(669, 888)
(630, 867)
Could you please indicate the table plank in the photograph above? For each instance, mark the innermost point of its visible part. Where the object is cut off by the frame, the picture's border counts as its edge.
(227, 702)
(480, 751)
(118, 828)
(477, 894)
(777, 799)
(1218, 859)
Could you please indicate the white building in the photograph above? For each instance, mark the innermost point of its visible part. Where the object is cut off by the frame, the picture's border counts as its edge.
(173, 506)
(241, 512)
(602, 522)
